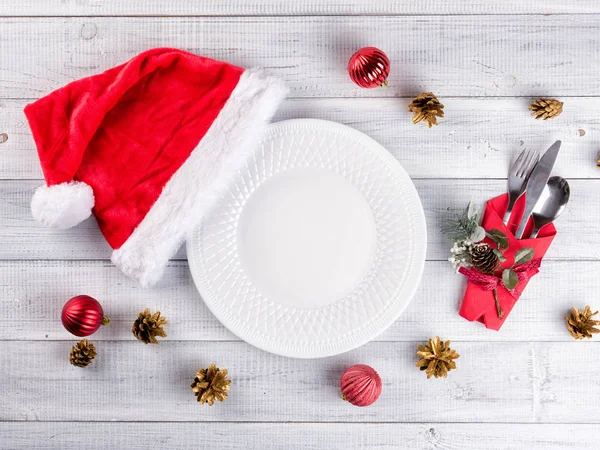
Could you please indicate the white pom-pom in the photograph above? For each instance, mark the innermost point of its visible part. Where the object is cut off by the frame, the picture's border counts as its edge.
(62, 205)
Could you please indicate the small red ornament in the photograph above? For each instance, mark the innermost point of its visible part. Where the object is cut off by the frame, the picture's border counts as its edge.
(83, 315)
(369, 67)
(361, 385)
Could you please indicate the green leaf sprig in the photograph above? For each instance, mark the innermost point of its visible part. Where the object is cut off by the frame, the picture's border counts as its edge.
(498, 237)
(510, 279)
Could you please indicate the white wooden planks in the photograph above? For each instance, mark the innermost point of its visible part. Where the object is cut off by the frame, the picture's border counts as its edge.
(565, 382)
(495, 382)
(453, 55)
(306, 436)
(130, 381)
(32, 294)
(529, 386)
(477, 133)
(278, 8)
(23, 238)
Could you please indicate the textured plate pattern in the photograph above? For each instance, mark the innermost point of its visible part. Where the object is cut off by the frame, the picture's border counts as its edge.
(373, 304)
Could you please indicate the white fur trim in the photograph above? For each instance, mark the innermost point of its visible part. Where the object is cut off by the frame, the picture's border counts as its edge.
(62, 205)
(191, 191)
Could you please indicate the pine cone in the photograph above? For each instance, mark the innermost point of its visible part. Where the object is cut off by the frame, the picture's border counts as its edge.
(580, 323)
(546, 108)
(426, 107)
(436, 358)
(148, 326)
(483, 258)
(211, 384)
(82, 353)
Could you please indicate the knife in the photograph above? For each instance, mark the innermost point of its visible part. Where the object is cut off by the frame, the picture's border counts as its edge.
(536, 184)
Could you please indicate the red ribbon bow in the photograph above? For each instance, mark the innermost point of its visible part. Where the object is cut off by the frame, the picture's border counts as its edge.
(491, 282)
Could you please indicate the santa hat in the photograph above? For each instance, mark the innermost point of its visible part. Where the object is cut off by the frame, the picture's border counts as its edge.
(146, 146)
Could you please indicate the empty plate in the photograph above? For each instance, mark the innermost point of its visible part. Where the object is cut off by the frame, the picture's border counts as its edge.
(317, 245)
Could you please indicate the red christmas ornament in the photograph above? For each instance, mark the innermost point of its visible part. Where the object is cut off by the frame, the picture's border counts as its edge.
(369, 67)
(361, 385)
(83, 315)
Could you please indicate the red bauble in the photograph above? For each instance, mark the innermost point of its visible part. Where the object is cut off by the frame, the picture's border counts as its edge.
(360, 385)
(369, 67)
(83, 315)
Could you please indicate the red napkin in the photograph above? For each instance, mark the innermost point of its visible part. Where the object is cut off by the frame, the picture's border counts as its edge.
(478, 304)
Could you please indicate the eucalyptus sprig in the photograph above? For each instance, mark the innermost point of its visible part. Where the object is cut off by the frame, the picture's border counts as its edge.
(464, 233)
(465, 228)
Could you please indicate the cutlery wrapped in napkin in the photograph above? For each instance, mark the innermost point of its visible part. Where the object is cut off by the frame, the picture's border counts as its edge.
(479, 302)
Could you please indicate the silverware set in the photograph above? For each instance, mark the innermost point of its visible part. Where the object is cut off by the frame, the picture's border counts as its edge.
(546, 196)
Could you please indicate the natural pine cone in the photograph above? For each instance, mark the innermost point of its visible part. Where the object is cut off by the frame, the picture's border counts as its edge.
(436, 358)
(546, 108)
(426, 107)
(580, 323)
(147, 326)
(211, 384)
(483, 258)
(82, 353)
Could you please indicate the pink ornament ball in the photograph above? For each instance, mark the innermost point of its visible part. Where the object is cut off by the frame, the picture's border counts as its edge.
(361, 385)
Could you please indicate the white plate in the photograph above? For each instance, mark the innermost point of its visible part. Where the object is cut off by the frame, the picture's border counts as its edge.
(317, 246)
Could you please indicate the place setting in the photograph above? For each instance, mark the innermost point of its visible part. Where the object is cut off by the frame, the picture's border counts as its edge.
(502, 253)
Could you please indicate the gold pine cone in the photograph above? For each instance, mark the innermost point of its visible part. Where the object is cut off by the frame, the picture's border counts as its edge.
(211, 384)
(82, 353)
(436, 358)
(148, 326)
(483, 258)
(546, 108)
(426, 107)
(580, 323)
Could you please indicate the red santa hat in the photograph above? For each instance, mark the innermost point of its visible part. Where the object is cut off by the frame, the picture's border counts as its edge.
(146, 146)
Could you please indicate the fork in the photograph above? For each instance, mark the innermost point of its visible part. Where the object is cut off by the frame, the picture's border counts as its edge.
(517, 178)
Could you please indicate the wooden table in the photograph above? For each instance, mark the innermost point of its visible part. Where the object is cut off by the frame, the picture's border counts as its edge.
(529, 386)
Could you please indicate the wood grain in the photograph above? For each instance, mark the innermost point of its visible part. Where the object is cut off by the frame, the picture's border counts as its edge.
(529, 386)
(565, 382)
(277, 8)
(32, 294)
(476, 132)
(130, 381)
(307, 436)
(452, 55)
(23, 238)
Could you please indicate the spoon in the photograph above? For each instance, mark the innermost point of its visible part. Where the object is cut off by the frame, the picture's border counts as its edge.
(551, 204)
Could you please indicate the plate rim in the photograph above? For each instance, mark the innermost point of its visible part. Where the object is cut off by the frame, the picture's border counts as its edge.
(409, 289)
